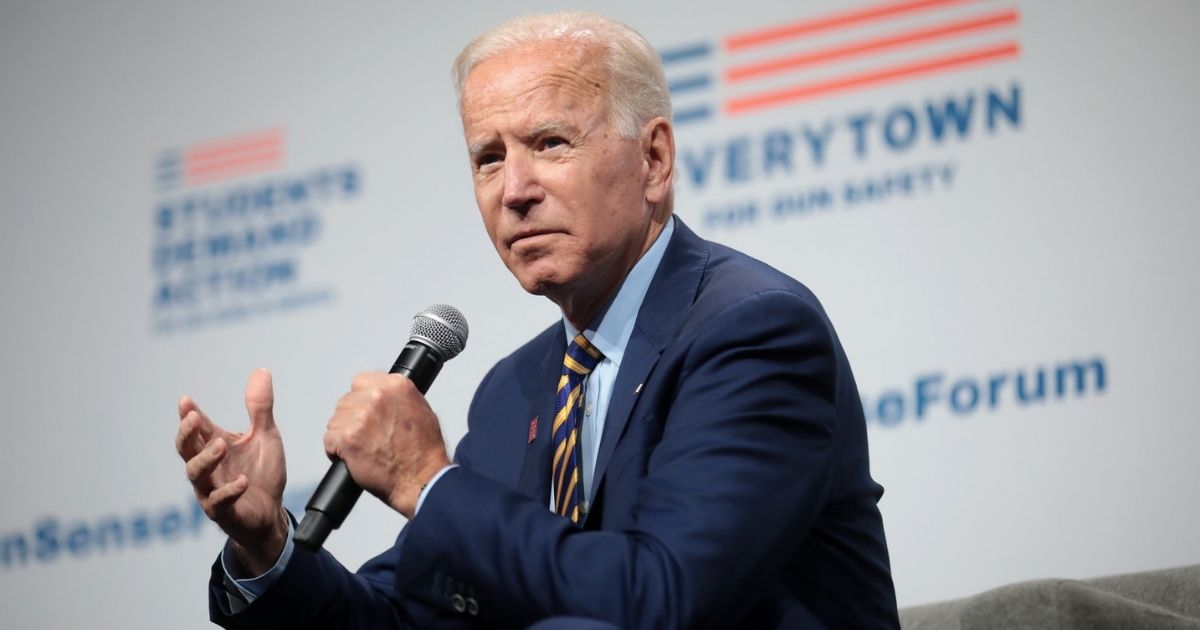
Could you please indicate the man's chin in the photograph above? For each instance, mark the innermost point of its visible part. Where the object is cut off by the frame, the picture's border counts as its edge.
(542, 287)
(547, 286)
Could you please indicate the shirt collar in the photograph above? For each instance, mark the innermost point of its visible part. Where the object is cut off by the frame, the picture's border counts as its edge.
(616, 326)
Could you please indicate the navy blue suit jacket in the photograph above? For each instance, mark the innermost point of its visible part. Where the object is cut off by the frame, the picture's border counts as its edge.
(732, 485)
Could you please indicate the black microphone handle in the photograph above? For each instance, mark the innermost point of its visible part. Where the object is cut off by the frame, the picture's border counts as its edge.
(336, 494)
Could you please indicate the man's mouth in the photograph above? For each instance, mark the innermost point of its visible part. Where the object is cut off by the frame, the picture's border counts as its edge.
(529, 234)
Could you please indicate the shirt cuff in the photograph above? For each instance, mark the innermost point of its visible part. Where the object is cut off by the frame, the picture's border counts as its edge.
(425, 489)
(250, 589)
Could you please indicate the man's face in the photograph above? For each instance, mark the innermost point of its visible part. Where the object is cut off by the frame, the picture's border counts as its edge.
(562, 196)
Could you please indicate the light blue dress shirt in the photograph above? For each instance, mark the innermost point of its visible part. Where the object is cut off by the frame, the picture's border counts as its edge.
(610, 336)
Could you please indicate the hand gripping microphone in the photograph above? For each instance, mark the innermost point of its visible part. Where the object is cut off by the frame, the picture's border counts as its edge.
(439, 333)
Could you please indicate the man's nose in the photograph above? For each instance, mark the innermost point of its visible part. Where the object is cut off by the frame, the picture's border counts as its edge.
(521, 185)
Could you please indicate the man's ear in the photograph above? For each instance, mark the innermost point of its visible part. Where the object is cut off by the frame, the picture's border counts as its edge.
(658, 153)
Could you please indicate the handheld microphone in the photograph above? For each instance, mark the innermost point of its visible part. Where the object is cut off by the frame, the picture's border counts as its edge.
(438, 334)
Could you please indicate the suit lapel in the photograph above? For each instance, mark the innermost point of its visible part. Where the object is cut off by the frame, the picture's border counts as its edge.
(640, 356)
(670, 294)
(534, 480)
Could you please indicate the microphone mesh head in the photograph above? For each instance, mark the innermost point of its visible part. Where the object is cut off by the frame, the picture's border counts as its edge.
(443, 328)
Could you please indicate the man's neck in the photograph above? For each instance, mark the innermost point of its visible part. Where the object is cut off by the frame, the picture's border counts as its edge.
(584, 310)
(582, 307)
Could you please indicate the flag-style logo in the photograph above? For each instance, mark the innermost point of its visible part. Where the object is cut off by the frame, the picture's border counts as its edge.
(836, 53)
(212, 161)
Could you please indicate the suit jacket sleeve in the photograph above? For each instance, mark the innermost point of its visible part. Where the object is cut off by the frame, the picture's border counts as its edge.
(315, 590)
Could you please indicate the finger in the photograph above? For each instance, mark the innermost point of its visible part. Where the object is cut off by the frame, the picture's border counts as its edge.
(186, 404)
(200, 468)
(332, 441)
(260, 399)
(367, 380)
(352, 411)
(195, 430)
(224, 497)
(183, 437)
(351, 402)
(342, 431)
(401, 382)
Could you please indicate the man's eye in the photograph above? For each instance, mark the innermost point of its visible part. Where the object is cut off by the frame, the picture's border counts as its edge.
(553, 141)
(486, 159)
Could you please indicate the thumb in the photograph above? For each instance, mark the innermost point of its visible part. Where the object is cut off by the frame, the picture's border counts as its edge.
(260, 398)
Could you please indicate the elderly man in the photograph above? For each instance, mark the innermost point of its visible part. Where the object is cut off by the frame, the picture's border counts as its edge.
(701, 457)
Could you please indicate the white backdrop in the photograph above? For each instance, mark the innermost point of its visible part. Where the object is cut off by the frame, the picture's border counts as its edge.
(1001, 197)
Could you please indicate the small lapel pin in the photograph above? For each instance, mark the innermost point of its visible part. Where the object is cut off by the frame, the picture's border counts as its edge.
(533, 429)
(639, 389)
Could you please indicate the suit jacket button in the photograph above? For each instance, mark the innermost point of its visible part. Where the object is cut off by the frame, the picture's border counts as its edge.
(458, 603)
(472, 606)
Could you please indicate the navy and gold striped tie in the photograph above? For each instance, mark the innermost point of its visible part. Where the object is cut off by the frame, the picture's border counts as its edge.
(580, 359)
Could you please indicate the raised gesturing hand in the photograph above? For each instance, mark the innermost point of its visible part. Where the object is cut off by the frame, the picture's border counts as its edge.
(239, 477)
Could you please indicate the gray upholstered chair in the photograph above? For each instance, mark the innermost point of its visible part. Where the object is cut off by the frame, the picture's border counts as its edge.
(1167, 599)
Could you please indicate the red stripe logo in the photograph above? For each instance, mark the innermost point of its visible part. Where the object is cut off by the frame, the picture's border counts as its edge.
(247, 154)
(209, 161)
(840, 52)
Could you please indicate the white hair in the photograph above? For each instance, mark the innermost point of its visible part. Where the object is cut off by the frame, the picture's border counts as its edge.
(637, 88)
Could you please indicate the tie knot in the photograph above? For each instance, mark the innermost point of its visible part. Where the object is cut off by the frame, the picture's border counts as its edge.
(582, 356)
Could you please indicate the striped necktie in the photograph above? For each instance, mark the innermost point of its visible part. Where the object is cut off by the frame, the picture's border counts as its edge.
(580, 359)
